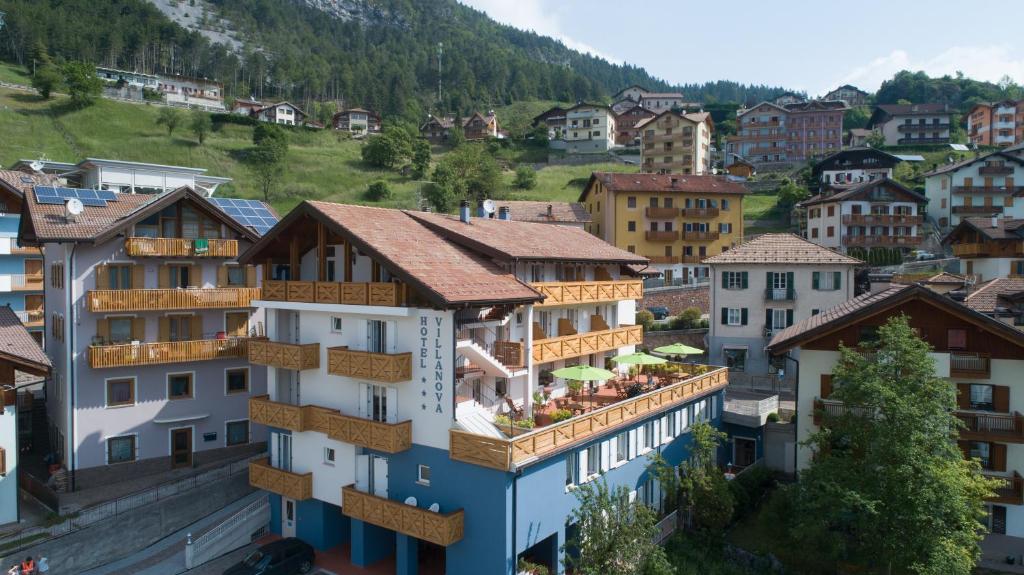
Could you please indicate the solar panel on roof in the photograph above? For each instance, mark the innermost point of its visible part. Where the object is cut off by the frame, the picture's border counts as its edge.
(252, 214)
(93, 202)
(50, 200)
(106, 195)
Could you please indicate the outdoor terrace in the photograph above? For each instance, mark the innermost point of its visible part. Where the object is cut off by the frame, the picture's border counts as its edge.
(170, 299)
(127, 354)
(180, 247)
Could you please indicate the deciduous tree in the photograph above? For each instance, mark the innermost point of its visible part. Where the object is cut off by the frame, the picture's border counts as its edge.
(169, 118)
(201, 125)
(82, 83)
(46, 80)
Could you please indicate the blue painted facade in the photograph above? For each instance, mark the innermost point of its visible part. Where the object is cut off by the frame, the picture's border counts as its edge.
(732, 430)
(14, 265)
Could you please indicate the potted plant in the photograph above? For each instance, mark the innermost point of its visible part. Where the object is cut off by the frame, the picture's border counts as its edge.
(560, 415)
(575, 387)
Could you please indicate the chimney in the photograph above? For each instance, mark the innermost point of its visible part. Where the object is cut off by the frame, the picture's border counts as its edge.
(504, 213)
(480, 213)
(464, 211)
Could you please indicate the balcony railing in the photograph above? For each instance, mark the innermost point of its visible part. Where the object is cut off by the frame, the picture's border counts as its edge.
(576, 345)
(661, 213)
(31, 318)
(969, 365)
(180, 247)
(285, 355)
(25, 251)
(881, 219)
(21, 282)
(573, 293)
(661, 236)
(167, 352)
(1011, 492)
(983, 426)
(700, 236)
(921, 127)
(298, 486)
(388, 367)
(987, 190)
(506, 454)
(377, 435)
(439, 528)
(663, 259)
(995, 170)
(700, 212)
(348, 293)
(971, 250)
(881, 240)
(171, 299)
(779, 294)
(831, 408)
(691, 259)
(915, 141)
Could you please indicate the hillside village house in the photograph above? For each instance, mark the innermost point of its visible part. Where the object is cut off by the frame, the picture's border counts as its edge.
(626, 131)
(633, 93)
(912, 124)
(477, 126)
(407, 333)
(852, 95)
(787, 98)
(246, 106)
(1000, 298)
(854, 166)
(192, 91)
(562, 213)
(979, 186)
(763, 286)
(21, 267)
(553, 119)
(980, 355)
(989, 247)
(659, 102)
(134, 79)
(672, 143)
(589, 128)
(996, 123)
(357, 120)
(124, 177)
(281, 113)
(792, 132)
(673, 220)
(149, 321)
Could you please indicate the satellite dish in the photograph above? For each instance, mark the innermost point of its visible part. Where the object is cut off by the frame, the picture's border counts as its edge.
(37, 165)
(73, 208)
(489, 206)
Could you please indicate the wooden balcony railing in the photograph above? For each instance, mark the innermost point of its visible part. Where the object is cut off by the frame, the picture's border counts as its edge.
(977, 209)
(663, 259)
(285, 355)
(1011, 492)
(971, 250)
(572, 293)
(995, 170)
(439, 528)
(700, 236)
(983, 426)
(505, 454)
(830, 408)
(167, 352)
(691, 259)
(298, 486)
(881, 219)
(170, 299)
(26, 282)
(922, 127)
(989, 190)
(349, 293)
(389, 367)
(661, 236)
(32, 317)
(377, 435)
(882, 240)
(661, 213)
(26, 251)
(969, 365)
(700, 212)
(576, 345)
(180, 247)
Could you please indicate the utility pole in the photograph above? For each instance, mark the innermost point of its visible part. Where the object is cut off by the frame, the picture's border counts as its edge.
(440, 53)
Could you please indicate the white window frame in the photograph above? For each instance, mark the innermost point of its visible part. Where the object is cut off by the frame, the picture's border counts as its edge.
(336, 324)
(734, 316)
(419, 475)
(330, 456)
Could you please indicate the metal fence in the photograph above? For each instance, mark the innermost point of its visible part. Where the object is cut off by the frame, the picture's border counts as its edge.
(197, 550)
(666, 527)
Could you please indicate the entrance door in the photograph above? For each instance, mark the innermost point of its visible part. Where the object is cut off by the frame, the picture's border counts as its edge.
(283, 452)
(287, 517)
(744, 451)
(999, 519)
(236, 323)
(181, 447)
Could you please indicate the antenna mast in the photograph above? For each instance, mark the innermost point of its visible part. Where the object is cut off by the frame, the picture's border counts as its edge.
(440, 53)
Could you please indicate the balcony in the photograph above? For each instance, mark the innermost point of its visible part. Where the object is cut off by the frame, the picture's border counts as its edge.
(700, 236)
(971, 250)
(881, 219)
(969, 365)
(922, 128)
(985, 426)
(663, 259)
(990, 190)
(506, 454)
(661, 213)
(661, 236)
(347, 293)
(439, 528)
(882, 240)
(916, 141)
(171, 299)
(180, 247)
(25, 251)
(1003, 170)
(298, 486)
(387, 367)
(692, 259)
(831, 408)
(31, 318)
(700, 212)
(780, 294)
(574, 293)
(576, 345)
(285, 355)
(127, 354)
(21, 282)
(377, 435)
(1011, 492)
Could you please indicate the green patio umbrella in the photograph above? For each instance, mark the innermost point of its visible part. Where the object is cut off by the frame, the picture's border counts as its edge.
(639, 358)
(583, 373)
(678, 349)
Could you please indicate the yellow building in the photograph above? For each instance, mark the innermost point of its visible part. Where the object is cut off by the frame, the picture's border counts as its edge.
(675, 220)
(676, 143)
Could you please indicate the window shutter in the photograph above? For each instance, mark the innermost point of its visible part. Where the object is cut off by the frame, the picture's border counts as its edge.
(583, 465)
(103, 329)
(102, 276)
(997, 456)
(632, 444)
(165, 329)
(164, 277)
(222, 276)
(815, 280)
(725, 282)
(826, 386)
(743, 279)
(768, 280)
(743, 316)
(139, 329)
(768, 318)
(250, 276)
(837, 280)
(963, 395)
(138, 276)
(1000, 398)
(725, 315)
(195, 275)
(965, 448)
(789, 280)
(789, 317)
(605, 455)
(197, 327)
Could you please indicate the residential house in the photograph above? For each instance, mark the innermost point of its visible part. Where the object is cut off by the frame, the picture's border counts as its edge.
(627, 132)
(634, 93)
(410, 332)
(357, 120)
(792, 132)
(124, 177)
(673, 220)
(553, 119)
(989, 247)
(589, 128)
(191, 91)
(857, 137)
(978, 186)
(673, 143)
(21, 267)
(20, 354)
(149, 320)
(787, 98)
(620, 106)
(763, 286)
(979, 355)
(563, 213)
(134, 79)
(659, 102)
(281, 113)
(1001, 298)
(739, 167)
(852, 95)
(912, 124)
(246, 106)
(474, 127)
(996, 123)
(854, 166)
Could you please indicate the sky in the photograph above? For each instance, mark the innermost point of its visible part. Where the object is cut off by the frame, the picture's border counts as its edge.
(808, 45)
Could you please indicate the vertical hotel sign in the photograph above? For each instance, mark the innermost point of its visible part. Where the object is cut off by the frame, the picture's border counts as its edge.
(434, 361)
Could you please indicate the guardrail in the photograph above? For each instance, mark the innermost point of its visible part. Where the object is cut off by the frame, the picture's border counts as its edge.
(197, 549)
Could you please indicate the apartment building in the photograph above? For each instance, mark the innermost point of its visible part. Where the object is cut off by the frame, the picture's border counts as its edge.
(996, 123)
(149, 319)
(852, 95)
(588, 129)
(978, 186)
(394, 340)
(980, 355)
(122, 176)
(795, 131)
(912, 124)
(989, 247)
(857, 218)
(673, 220)
(763, 286)
(357, 120)
(672, 143)
(21, 267)
(627, 132)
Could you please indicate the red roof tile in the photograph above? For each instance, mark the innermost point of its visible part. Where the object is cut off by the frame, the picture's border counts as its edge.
(18, 346)
(782, 249)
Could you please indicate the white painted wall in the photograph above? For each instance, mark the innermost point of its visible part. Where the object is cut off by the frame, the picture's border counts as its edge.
(9, 481)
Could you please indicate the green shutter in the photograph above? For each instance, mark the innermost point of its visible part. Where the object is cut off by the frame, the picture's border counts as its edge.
(725, 316)
(837, 280)
(725, 283)
(789, 317)
(743, 316)
(768, 318)
(768, 280)
(743, 279)
(789, 280)
(815, 280)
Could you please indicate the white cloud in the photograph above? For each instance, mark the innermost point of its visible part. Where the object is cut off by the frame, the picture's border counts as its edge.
(539, 16)
(989, 63)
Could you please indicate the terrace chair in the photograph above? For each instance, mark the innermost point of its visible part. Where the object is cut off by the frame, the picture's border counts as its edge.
(517, 412)
(619, 392)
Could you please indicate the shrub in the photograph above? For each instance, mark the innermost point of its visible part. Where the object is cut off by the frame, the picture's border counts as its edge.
(561, 415)
(773, 417)
(504, 421)
(233, 119)
(531, 568)
(526, 178)
(378, 191)
(299, 191)
(645, 318)
(575, 387)
(792, 418)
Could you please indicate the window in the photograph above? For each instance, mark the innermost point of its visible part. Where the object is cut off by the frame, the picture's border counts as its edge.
(981, 450)
(179, 328)
(734, 280)
(830, 231)
(572, 468)
(826, 281)
(868, 334)
(120, 392)
(735, 316)
(121, 449)
(237, 380)
(179, 276)
(120, 329)
(593, 459)
(981, 397)
(621, 447)
(735, 359)
(814, 233)
(631, 226)
(179, 386)
(648, 442)
(236, 276)
(423, 474)
(119, 276)
(336, 325)
(956, 338)
(237, 432)
(329, 456)
(631, 202)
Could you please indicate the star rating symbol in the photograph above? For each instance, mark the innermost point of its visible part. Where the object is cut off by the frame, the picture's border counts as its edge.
(423, 393)
(423, 407)
(423, 379)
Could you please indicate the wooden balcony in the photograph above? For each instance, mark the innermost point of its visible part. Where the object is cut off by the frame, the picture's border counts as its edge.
(661, 213)
(168, 352)
(663, 259)
(700, 236)
(922, 127)
(180, 247)
(969, 365)
(388, 367)
(882, 219)
(573, 293)
(661, 236)
(347, 293)
(700, 212)
(882, 240)
(1011, 492)
(995, 170)
(298, 486)
(25, 251)
(576, 345)
(831, 408)
(691, 259)
(984, 426)
(977, 210)
(26, 282)
(377, 435)
(988, 190)
(171, 299)
(285, 355)
(505, 454)
(971, 250)
(439, 528)
(32, 317)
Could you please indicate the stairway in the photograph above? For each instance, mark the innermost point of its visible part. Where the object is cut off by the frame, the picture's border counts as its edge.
(481, 357)
(473, 418)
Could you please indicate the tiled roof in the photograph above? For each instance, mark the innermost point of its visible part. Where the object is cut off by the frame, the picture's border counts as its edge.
(966, 162)
(985, 297)
(781, 249)
(561, 212)
(18, 346)
(21, 182)
(1005, 228)
(663, 183)
(814, 105)
(649, 95)
(945, 278)
(512, 240)
(836, 313)
(852, 190)
(911, 109)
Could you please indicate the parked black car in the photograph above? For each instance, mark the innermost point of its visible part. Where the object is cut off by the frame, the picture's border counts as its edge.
(659, 312)
(283, 557)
